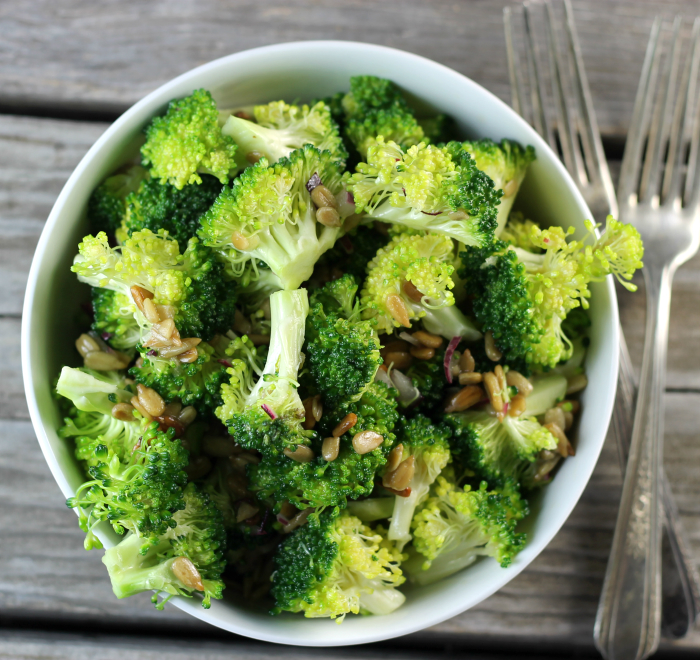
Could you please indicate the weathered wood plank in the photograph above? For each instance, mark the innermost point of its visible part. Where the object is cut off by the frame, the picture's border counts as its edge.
(82, 54)
(22, 645)
(38, 158)
(13, 404)
(44, 570)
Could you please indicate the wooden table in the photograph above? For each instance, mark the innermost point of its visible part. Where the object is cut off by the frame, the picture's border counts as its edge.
(69, 66)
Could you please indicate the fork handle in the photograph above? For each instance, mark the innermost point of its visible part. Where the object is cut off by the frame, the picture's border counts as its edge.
(629, 615)
(679, 577)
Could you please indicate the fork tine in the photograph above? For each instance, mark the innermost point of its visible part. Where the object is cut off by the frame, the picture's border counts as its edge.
(682, 125)
(692, 181)
(631, 159)
(515, 73)
(659, 129)
(565, 124)
(596, 163)
(540, 122)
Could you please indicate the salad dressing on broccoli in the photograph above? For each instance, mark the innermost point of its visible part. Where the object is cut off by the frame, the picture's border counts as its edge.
(325, 356)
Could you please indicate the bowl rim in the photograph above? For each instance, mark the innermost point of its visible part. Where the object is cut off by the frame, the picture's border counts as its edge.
(158, 98)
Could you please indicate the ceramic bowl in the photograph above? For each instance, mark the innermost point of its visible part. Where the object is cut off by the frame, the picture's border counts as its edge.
(308, 70)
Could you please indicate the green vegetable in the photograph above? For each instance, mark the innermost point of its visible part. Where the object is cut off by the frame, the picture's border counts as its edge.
(427, 188)
(268, 214)
(342, 350)
(187, 142)
(158, 206)
(523, 297)
(186, 559)
(506, 165)
(107, 203)
(281, 128)
(334, 565)
(456, 525)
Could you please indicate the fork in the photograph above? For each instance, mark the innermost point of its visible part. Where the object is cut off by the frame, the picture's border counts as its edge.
(577, 127)
(659, 192)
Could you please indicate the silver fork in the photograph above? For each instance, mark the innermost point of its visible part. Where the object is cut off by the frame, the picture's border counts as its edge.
(582, 153)
(659, 192)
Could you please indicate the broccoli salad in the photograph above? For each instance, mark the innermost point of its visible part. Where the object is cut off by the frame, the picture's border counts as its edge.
(324, 356)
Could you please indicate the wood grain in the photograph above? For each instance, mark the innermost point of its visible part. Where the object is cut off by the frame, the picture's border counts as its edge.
(84, 55)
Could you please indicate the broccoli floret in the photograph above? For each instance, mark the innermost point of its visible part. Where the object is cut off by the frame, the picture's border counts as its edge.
(187, 142)
(395, 124)
(369, 93)
(187, 558)
(281, 128)
(410, 279)
(268, 214)
(184, 286)
(518, 232)
(107, 203)
(343, 351)
(114, 318)
(435, 128)
(334, 565)
(427, 188)
(195, 383)
(163, 206)
(353, 251)
(498, 450)
(268, 417)
(456, 525)
(426, 445)
(140, 493)
(90, 422)
(505, 163)
(351, 475)
(523, 297)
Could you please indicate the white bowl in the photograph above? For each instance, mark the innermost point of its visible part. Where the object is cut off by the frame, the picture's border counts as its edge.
(309, 70)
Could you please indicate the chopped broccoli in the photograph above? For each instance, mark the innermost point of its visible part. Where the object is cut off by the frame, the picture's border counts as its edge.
(505, 163)
(268, 214)
(281, 128)
(428, 377)
(497, 450)
(334, 565)
(195, 383)
(410, 279)
(523, 297)
(427, 188)
(187, 558)
(427, 445)
(456, 525)
(369, 93)
(107, 203)
(139, 494)
(351, 475)
(395, 124)
(343, 351)
(186, 285)
(90, 421)
(187, 142)
(519, 232)
(268, 417)
(114, 318)
(163, 206)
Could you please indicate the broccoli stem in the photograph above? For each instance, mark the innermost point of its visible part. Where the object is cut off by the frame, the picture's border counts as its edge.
(289, 310)
(448, 322)
(381, 600)
(132, 572)
(250, 136)
(444, 565)
(371, 509)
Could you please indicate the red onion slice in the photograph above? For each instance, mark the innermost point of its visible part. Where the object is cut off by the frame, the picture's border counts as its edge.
(226, 363)
(449, 352)
(269, 411)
